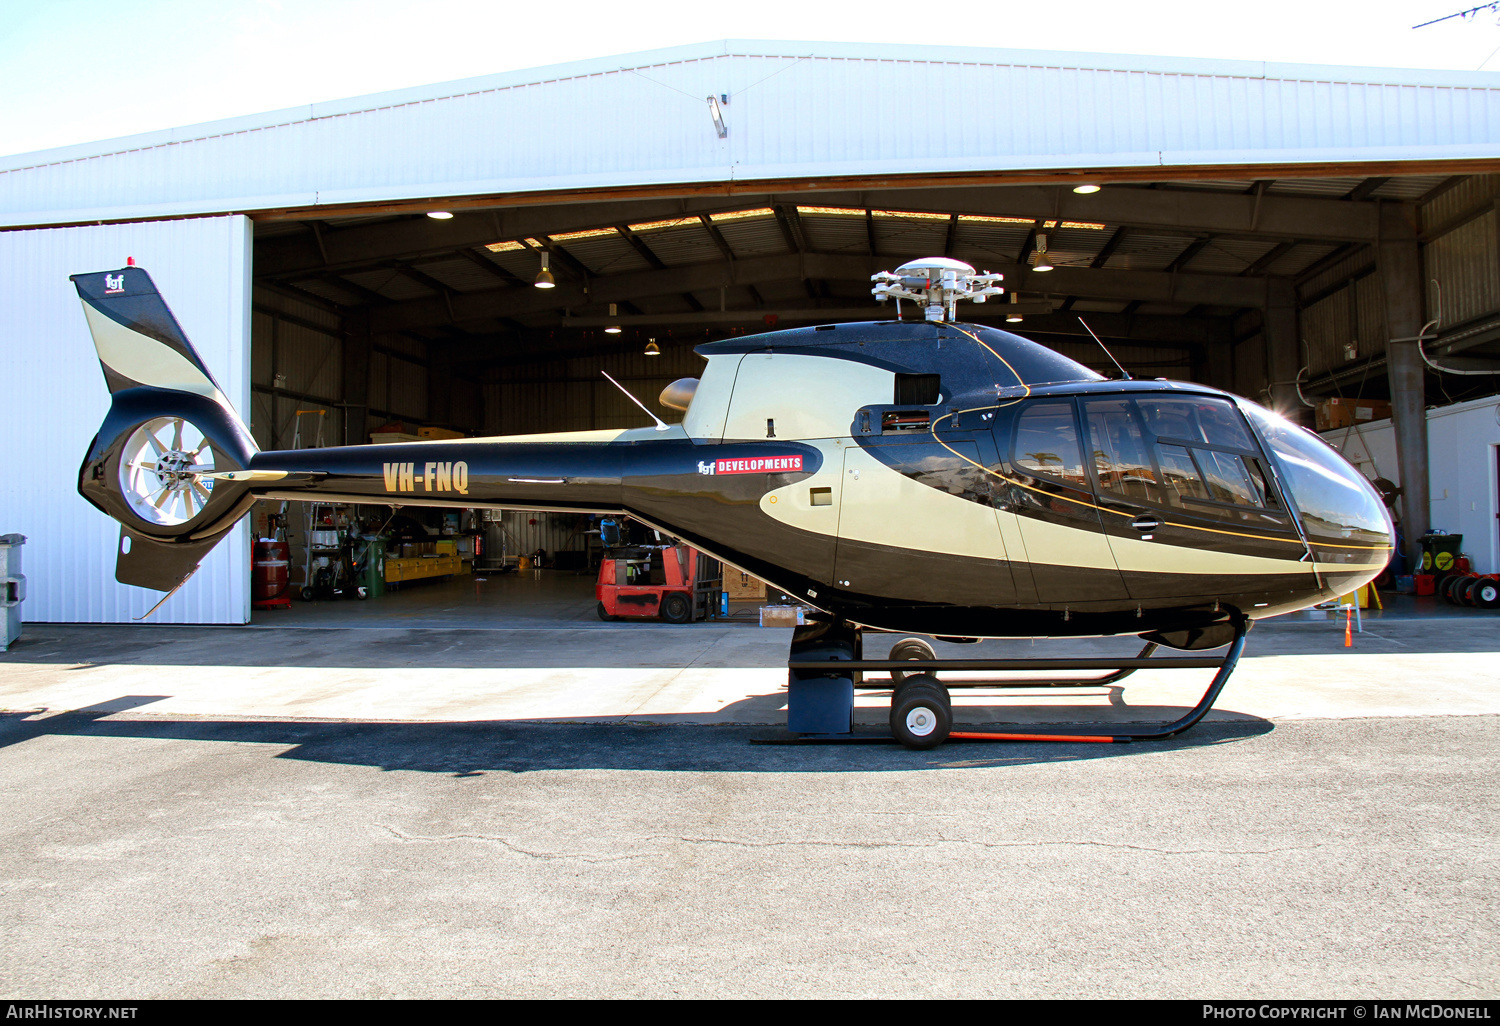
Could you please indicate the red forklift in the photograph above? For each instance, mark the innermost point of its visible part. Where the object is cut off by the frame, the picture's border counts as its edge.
(664, 579)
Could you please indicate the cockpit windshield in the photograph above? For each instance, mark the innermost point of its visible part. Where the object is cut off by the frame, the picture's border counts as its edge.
(1336, 500)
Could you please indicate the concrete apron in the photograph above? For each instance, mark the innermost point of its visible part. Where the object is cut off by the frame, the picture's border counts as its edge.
(1301, 674)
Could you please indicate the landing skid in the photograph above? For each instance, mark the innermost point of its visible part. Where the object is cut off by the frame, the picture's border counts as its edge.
(826, 667)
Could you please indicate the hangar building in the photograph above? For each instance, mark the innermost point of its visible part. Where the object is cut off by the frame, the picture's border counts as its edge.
(1261, 227)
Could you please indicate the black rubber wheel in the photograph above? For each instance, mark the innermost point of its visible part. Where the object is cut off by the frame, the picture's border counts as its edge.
(1464, 590)
(675, 607)
(603, 613)
(307, 594)
(1441, 591)
(361, 593)
(921, 712)
(1487, 593)
(909, 648)
(1446, 586)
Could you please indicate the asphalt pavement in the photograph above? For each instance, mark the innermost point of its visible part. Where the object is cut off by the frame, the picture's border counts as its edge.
(161, 857)
(201, 812)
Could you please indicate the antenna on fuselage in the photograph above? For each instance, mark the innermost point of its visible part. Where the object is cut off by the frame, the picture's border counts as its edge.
(1123, 372)
(659, 425)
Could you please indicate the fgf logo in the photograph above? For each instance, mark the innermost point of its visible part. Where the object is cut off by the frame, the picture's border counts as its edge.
(435, 477)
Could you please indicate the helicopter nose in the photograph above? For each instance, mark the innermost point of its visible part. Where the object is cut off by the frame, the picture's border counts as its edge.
(1343, 517)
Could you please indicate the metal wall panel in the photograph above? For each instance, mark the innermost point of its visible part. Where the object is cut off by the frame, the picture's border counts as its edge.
(406, 388)
(795, 110)
(1466, 195)
(1326, 326)
(1467, 264)
(572, 395)
(295, 348)
(53, 399)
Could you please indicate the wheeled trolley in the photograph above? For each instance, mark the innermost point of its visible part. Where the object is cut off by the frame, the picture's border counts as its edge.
(827, 666)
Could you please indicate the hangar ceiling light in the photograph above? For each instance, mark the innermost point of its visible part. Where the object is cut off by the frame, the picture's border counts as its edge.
(440, 215)
(544, 279)
(613, 329)
(1039, 261)
(1085, 189)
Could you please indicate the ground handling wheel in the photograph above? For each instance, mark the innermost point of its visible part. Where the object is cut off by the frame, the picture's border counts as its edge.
(921, 712)
(909, 648)
(1447, 585)
(604, 613)
(1463, 591)
(1487, 593)
(675, 608)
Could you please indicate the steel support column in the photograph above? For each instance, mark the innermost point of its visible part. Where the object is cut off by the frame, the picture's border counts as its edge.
(1401, 275)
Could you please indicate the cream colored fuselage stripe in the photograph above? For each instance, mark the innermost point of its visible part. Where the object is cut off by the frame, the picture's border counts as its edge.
(882, 506)
(145, 360)
(885, 507)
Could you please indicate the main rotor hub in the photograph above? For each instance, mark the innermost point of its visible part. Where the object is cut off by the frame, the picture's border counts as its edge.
(937, 283)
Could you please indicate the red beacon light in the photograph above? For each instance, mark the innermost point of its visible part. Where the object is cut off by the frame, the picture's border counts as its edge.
(130, 261)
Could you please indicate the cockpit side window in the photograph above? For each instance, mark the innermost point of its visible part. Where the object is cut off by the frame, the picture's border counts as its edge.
(1046, 442)
(1121, 458)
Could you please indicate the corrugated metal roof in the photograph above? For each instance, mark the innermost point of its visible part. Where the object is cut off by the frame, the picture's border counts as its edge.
(795, 110)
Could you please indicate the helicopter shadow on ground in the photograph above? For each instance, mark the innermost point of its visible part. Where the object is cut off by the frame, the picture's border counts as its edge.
(466, 749)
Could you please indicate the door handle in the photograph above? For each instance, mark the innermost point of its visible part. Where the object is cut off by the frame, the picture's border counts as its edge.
(1146, 522)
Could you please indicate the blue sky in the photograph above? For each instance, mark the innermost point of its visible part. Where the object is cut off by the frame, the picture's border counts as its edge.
(79, 70)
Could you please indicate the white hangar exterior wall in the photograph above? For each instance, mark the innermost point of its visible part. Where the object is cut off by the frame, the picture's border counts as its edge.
(795, 111)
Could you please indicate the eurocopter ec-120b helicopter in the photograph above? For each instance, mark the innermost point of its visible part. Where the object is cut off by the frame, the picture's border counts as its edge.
(923, 476)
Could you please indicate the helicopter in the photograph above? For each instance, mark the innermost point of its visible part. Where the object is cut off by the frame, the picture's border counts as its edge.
(924, 476)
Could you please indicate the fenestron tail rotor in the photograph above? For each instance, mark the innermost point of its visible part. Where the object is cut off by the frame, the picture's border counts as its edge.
(164, 471)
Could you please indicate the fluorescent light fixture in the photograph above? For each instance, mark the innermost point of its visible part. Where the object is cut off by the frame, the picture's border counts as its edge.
(440, 215)
(718, 116)
(544, 279)
(1085, 190)
(613, 329)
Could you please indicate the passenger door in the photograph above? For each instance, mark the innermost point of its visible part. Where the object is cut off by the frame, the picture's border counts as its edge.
(1047, 497)
(1188, 505)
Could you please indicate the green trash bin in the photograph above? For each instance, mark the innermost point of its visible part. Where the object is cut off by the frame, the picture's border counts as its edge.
(1439, 552)
(369, 552)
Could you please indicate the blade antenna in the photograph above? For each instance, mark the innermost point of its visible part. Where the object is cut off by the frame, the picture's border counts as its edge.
(1123, 372)
(659, 425)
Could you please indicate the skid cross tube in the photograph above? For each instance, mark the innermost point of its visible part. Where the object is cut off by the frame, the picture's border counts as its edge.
(1126, 668)
(1225, 667)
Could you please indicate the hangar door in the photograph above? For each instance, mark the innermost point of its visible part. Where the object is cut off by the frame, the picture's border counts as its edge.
(53, 399)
